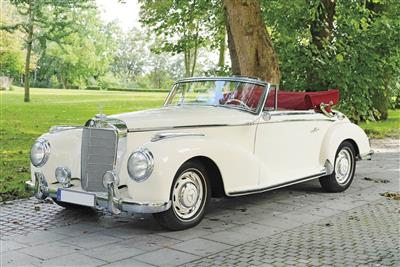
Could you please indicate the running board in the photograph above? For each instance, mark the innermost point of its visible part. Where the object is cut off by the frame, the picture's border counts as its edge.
(269, 188)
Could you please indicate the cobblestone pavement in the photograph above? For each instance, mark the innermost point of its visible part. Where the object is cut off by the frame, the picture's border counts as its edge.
(365, 236)
(299, 225)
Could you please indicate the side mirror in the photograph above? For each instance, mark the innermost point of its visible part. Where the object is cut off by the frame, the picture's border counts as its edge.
(266, 116)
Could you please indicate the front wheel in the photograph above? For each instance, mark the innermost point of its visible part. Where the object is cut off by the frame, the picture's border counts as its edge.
(344, 169)
(190, 195)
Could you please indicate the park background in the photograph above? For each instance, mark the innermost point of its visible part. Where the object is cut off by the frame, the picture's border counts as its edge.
(75, 62)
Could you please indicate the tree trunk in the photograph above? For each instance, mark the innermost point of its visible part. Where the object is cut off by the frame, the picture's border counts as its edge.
(195, 50)
(28, 53)
(323, 23)
(187, 63)
(321, 30)
(222, 46)
(232, 52)
(380, 101)
(250, 46)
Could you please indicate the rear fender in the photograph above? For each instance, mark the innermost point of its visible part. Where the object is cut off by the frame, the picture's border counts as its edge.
(338, 133)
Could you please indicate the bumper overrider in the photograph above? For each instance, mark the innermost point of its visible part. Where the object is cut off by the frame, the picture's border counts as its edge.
(111, 201)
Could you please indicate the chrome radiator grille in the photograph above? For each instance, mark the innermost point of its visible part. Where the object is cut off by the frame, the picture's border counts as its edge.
(98, 155)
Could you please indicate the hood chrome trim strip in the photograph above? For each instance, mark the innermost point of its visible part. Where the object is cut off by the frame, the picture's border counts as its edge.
(162, 136)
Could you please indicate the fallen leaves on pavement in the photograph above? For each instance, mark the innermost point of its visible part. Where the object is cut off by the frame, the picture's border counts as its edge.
(391, 195)
(376, 180)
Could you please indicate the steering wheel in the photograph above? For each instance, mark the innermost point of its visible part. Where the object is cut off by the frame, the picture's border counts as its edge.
(237, 102)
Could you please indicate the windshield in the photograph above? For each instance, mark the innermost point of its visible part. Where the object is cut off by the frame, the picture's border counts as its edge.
(231, 94)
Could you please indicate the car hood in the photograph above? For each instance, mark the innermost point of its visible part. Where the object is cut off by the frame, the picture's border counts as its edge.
(181, 116)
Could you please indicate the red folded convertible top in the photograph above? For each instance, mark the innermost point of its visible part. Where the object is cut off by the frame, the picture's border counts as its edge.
(303, 100)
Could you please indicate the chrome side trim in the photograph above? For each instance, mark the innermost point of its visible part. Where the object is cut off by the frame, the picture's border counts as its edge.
(296, 120)
(162, 136)
(293, 112)
(260, 190)
(152, 129)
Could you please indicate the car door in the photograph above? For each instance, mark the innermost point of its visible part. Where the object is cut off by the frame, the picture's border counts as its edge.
(288, 145)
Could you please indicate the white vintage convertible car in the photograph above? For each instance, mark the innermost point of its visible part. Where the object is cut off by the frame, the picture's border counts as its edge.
(220, 136)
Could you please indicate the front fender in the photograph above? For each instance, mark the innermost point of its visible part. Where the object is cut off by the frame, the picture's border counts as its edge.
(170, 154)
(338, 133)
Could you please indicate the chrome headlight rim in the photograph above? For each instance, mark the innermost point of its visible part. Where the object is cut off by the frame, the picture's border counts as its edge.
(46, 154)
(67, 177)
(146, 153)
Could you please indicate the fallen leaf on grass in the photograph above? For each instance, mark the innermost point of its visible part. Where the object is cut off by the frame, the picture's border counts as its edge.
(376, 180)
(391, 195)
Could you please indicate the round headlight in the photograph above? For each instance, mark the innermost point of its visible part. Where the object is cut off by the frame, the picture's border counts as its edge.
(63, 175)
(110, 177)
(140, 164)
(40, 152)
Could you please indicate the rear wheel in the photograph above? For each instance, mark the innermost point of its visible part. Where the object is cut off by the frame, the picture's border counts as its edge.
(190, 195)
(344, 169)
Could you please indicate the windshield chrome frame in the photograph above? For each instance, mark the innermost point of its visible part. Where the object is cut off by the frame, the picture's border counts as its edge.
(261, 103)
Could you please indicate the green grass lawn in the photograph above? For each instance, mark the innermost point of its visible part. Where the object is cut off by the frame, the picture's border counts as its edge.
(387, 128)
(22, 123)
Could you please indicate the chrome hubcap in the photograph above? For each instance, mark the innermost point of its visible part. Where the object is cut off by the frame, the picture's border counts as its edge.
(187, 195)
(343, 166)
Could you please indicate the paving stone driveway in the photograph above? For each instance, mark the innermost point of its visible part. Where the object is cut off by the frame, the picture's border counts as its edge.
(299, 225)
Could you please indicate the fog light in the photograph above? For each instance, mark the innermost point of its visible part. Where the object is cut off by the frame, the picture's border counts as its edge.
(110, 177)
(63, 175)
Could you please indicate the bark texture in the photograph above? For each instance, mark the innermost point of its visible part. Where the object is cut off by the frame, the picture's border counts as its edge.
(28, 53)
(250, 47)
(323, 24)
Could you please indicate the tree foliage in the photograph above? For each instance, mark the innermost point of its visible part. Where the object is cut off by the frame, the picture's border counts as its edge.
(184, 26)
(11, 55)
(360, 55)
(11, 50)
(83, 54)
(42, 20)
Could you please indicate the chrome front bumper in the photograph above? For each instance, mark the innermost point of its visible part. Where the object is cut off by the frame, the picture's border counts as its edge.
(114, 204)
